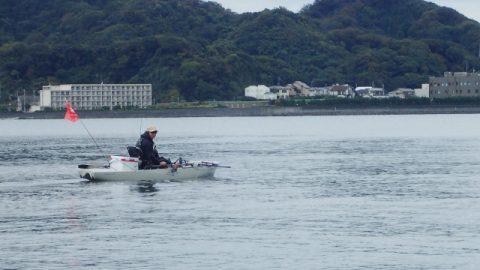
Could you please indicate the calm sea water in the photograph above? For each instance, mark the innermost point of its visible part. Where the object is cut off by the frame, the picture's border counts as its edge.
(356, 192)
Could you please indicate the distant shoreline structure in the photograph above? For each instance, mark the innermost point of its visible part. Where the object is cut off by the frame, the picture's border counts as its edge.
(254, 112)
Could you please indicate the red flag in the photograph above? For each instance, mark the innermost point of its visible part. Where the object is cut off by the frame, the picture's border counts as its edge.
(70, 114)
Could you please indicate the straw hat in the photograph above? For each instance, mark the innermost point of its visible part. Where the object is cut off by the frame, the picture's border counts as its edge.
(151, 129)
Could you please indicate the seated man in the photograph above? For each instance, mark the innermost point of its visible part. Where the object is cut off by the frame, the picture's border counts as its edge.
(150, 155)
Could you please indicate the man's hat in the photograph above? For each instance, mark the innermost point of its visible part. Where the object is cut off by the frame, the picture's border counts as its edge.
(151, 129)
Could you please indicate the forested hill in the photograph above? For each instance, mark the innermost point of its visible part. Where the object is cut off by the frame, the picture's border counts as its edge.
(199, 50)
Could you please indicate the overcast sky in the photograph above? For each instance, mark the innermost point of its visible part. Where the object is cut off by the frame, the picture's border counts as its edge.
(470, 8)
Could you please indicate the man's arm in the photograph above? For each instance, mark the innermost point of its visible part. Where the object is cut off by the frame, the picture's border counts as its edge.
(155, 157)
(159, 158)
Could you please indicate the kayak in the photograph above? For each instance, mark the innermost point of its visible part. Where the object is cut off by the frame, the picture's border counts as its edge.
(126, 169)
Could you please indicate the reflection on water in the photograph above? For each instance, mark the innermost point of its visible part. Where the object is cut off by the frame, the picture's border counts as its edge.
(145, 187)
(373, 192)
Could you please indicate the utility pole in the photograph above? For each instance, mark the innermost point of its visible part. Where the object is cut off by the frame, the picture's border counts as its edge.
(111, 97)
(24, 99)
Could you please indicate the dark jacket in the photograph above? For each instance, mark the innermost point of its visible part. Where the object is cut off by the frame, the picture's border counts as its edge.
(149, 151)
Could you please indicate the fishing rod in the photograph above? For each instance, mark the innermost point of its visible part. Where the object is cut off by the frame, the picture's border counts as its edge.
(94, 141)
(72, 116)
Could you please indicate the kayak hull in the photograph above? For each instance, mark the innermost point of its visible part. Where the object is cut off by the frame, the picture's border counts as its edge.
(157, 175)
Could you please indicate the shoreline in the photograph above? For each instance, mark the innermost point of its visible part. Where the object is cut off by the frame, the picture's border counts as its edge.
(251, 112)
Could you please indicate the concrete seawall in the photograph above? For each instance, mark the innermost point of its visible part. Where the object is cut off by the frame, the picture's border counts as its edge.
(246, 112)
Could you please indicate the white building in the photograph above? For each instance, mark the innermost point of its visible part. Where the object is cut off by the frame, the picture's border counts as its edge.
(370, 92)
(341, 90)
(319, 91)
(424, 91)
(282, 92)
(96, 96)
(260, 92)
(402, 93)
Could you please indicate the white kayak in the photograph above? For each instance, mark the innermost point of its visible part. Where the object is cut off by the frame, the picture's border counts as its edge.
(126, 169)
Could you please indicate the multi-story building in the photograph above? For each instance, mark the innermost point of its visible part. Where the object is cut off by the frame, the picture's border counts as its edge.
(457, 84)
(96, 96)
